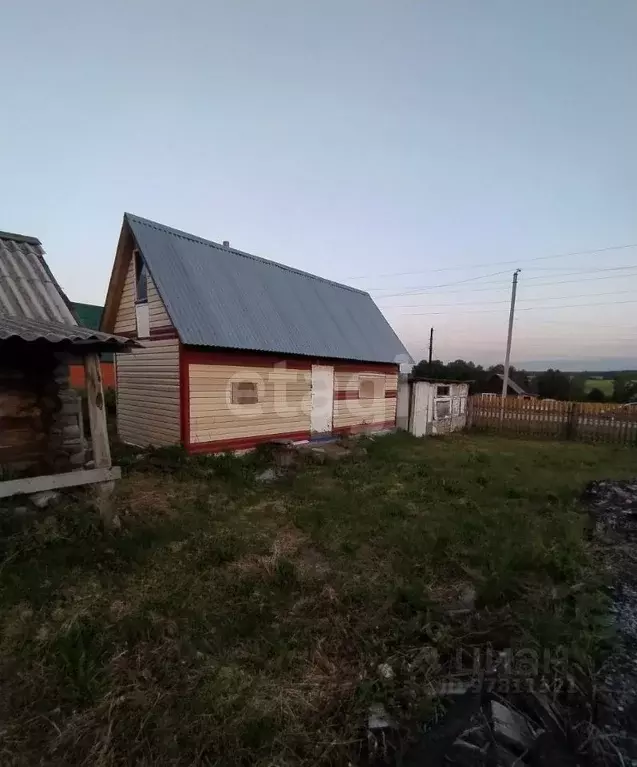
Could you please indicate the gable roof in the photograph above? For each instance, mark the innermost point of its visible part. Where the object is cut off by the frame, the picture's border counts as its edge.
(219, 296)
(88, 314)
(32, 305)
(27, 287)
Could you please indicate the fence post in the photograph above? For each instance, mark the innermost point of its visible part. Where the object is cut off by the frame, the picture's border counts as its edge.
(571, 420)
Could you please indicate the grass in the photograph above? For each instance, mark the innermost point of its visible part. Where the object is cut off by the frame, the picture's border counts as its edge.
(605, 385)
(231, 623)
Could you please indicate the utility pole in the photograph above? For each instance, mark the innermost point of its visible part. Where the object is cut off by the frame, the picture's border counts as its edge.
(431, 345)
(505, 377)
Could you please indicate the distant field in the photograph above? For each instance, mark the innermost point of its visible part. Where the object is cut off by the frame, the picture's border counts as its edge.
(603, 384)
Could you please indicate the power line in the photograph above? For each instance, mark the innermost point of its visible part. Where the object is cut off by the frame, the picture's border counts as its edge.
(499, 263)
(528, 309)
(484, 303)
(424, 289)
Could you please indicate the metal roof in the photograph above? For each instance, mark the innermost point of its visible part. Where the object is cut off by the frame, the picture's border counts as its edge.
(27, 287)
(219, 296)
(90, 316)
(55, 332)
(32, 304)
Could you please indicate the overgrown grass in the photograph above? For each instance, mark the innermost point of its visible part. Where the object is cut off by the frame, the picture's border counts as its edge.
(233, 623)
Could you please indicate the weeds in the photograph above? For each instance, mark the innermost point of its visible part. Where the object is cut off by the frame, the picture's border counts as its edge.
(233, 623)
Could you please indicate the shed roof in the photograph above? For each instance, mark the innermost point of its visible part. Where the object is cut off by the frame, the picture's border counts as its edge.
(88, 314)
(56, 332)
(32, 304)
(219, 296)
(27, 287)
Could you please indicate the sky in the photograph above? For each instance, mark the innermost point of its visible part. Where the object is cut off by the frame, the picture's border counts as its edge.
(406, 147)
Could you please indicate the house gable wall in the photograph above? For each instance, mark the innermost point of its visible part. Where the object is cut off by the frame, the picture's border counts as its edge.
(125, 322)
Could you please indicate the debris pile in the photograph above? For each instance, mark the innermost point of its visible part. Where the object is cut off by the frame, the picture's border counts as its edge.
(591, 721)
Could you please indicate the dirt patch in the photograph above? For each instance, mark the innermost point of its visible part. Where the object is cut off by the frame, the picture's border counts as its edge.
(141, 495)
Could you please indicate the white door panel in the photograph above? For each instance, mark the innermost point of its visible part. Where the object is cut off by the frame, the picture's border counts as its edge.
(322, 399)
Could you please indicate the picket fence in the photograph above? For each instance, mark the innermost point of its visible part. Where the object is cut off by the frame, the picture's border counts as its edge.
(582, 421)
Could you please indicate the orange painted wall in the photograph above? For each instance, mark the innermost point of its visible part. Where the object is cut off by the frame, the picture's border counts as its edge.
(108, 375)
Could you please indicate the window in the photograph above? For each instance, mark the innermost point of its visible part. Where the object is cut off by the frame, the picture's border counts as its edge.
(244, 393)
(463, 405)
(442, 391)
(141, 279)
(455, 406)
(368, 388)
(443, 409)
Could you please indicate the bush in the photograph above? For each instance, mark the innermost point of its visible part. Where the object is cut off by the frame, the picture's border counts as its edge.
(110, 401)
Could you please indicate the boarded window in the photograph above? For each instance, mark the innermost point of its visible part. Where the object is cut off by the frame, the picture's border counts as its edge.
(455, 406)
(463, 405)
(442, 391)
(244, 393)
(141, 279)
(369, 388)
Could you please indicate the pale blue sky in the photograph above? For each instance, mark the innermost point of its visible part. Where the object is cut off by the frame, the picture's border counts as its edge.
(351, 138)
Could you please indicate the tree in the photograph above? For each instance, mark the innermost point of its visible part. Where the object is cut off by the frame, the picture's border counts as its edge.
(458, 370)
(577, 391)
(437, 369)
(596, 395)
(553, 384)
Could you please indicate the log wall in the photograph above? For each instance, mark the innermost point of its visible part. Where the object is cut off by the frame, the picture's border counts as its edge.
(40, 414)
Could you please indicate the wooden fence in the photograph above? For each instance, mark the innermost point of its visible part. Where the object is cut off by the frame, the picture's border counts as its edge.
(583, 421)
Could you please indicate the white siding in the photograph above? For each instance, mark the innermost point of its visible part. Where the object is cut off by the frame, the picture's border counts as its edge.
(148, 394)
(125, 321)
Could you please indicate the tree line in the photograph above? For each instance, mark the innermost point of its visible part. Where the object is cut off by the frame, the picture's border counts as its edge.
(548, 384)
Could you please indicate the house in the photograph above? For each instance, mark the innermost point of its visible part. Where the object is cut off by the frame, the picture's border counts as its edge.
(494, 386)
(89, 316)
(42, 437)
(236, 350)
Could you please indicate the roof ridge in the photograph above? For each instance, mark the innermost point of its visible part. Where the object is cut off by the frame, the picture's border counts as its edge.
(20, 238)
(212, 243)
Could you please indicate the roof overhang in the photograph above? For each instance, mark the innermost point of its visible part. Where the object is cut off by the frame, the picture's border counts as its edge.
(81, 340)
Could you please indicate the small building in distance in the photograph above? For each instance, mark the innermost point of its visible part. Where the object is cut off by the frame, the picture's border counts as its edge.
(494, 386)
(42, 434)
(236, 350)
(89, 316)
(427, 406)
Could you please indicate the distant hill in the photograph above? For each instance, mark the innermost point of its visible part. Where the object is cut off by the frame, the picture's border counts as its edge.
(595, 365)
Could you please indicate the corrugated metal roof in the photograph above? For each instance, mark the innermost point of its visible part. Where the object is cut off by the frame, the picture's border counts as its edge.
(219, 296)
(54, 332)
(27, 287)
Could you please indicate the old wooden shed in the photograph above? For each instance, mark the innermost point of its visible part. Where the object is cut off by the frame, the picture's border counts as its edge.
(427, 406)
(42, 435)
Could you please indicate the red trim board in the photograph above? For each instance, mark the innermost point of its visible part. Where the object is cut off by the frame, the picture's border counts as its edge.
(244, 443)
(156, 334)
(263, 359)
(356, 395)
(379, 425)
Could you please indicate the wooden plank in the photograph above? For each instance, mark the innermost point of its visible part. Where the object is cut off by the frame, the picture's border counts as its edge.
(58, 481)
(97, 412)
